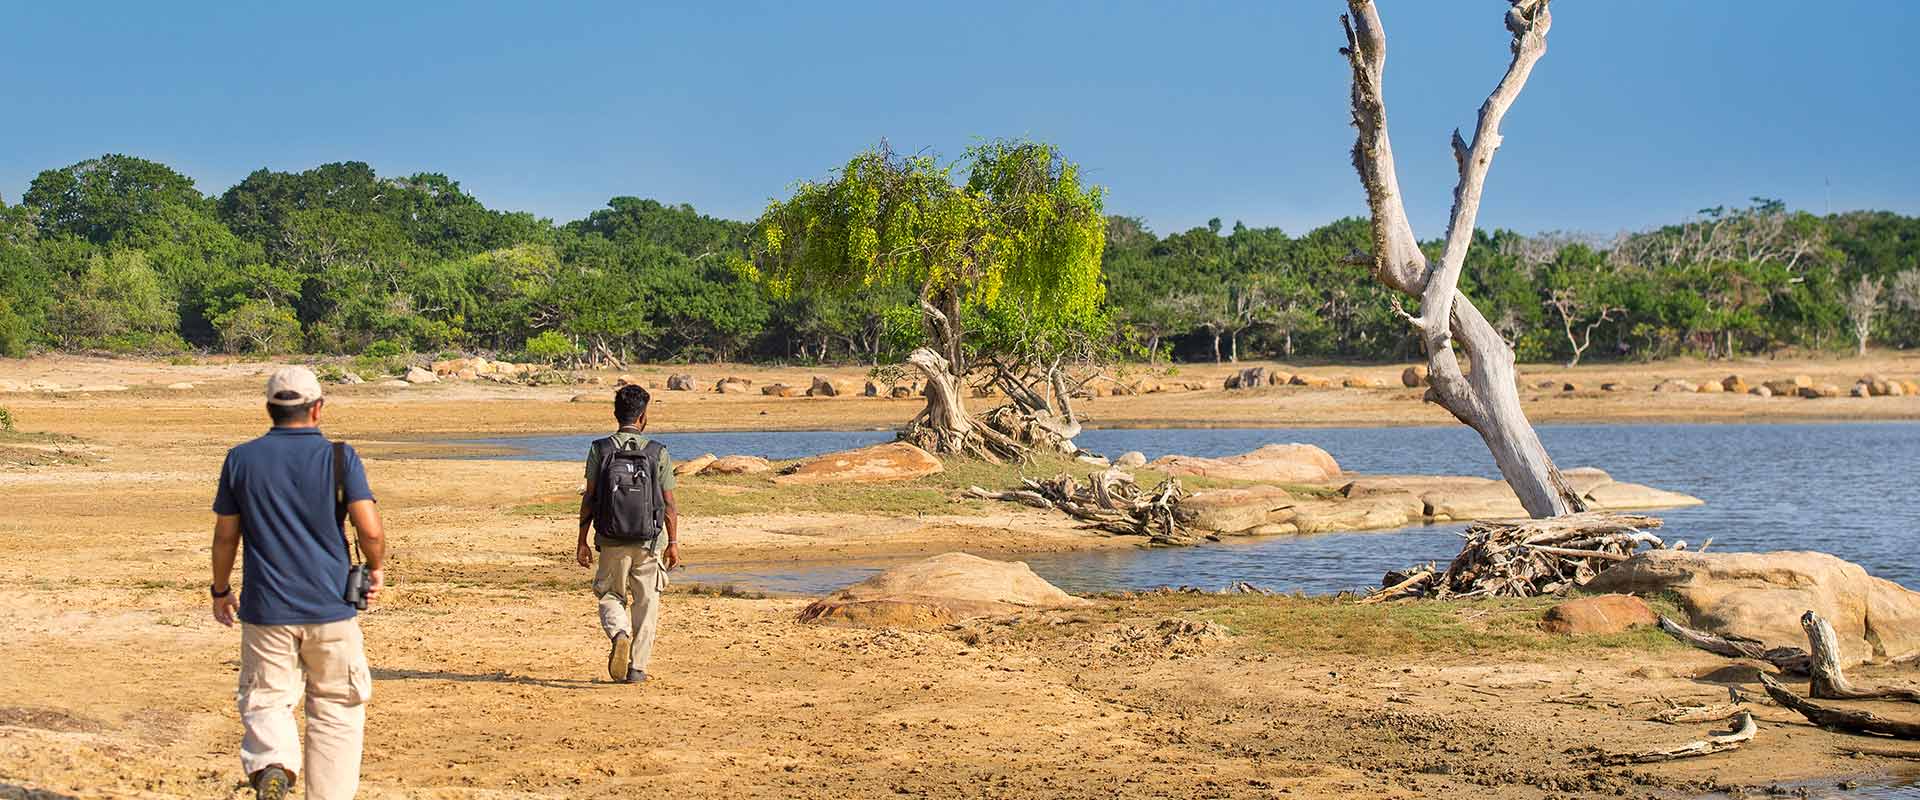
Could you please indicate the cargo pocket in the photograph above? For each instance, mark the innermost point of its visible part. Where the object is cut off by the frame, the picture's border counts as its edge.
(359, 682)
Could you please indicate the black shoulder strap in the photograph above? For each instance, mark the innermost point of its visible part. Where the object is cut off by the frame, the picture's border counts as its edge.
(653, 450)
(340, 498)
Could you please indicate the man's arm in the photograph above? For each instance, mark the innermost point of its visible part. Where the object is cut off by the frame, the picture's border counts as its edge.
(226, 547)
(583, 553)
(373, 541)
(672, 554)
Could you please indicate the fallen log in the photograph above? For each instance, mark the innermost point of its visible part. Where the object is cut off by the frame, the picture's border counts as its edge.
(1829, 681)
(1743, 731)
(1527, 558)
(1844, 720)
(1785, 659)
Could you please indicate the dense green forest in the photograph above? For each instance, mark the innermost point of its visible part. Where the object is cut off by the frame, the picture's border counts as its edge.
(126, 255)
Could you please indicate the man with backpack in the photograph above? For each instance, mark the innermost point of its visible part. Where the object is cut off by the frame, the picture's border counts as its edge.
(288, 495)
(628, 503)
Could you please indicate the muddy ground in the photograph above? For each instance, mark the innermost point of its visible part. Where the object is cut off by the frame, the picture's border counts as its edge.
(114, 682)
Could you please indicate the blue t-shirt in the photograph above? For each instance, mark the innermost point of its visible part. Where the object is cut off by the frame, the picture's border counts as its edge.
(294, 570)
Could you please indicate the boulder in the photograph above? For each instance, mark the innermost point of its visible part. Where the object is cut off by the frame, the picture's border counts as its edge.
(1362, 382)
(1734, 384)
(1607, 613)
(901, 392)
(782, 390)
(1861, 390)
(1783, 387)
(680, 383)
(1234, 510)
(893, 461)
(1802, 381)
(1277, 378)
(1761, 391)
(351, 378)
(1821, 391)
(1131, 458)
(625, 380)
(732, 386)
(1762, 595)
(938, 591)
(1895, 389)
(1311, 382)
(737, 465)
(823, 387)
(1912, 387)
(1614, 386)
(418, 375)
(693, 466)
(1414, 377)
(1548, 385)
(448, 367)
(872, 390)
(1676, 385)
(1274, 463)
(1710, 387)
(1482, 498)
(1876, 385)
(1569, 386)
(467, 374)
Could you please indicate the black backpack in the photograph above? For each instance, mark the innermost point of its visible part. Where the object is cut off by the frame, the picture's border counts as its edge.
(629, 505)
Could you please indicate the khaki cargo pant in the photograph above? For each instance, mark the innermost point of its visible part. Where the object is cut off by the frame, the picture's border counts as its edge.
(629, 583)
(327, 663)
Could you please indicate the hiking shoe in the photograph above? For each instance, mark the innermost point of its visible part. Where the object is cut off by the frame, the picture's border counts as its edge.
(272, 783)
(620, 658)
(636, 676)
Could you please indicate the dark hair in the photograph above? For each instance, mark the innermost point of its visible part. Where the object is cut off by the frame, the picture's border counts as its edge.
(630, 404)
(283, 415)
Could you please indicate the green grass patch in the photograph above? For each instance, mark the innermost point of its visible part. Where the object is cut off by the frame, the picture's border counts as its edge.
(1328, 624)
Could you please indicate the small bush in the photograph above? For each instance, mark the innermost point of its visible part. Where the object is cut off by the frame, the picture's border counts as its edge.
(6, 420)
(330, 373)
(549, 348)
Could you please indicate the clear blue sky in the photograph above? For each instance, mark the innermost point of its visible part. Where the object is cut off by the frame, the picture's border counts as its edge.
(1642, 111)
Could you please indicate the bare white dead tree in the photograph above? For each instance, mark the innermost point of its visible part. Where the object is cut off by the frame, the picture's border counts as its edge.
(1863, 299)
(1574, 312)
(1486, 400)
(1906, 289)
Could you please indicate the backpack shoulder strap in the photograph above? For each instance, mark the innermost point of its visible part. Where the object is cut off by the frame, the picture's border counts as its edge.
(653, 449)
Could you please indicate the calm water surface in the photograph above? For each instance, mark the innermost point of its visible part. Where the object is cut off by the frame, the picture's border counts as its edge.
(1847, 489)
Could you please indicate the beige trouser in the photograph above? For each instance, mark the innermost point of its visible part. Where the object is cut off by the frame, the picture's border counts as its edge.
(629, 584)
(326, 662)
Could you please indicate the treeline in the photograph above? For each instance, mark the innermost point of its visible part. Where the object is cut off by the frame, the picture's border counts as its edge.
(127, 255)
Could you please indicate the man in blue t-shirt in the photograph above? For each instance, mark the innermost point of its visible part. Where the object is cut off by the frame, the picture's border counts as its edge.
(277, 494)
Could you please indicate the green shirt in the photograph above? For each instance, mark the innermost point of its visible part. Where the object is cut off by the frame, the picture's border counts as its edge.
(663, 475)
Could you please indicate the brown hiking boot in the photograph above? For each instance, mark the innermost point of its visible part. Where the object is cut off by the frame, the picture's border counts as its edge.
(620, 658)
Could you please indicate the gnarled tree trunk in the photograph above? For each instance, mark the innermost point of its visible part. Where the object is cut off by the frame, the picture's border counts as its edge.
(1487, 398)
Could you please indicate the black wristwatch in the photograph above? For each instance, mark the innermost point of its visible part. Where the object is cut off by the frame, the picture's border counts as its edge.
(218, 593)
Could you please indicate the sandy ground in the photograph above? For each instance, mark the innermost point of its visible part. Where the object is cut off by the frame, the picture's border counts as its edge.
(113, 681)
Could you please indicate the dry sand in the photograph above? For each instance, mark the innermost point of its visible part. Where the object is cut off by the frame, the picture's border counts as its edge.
(114, 682)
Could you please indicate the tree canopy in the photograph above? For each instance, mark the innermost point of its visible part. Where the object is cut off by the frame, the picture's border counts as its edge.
(121, 253)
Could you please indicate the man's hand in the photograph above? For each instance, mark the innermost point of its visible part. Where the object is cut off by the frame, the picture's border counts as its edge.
(224, 608)
(583, 555)
(672, 555)
(376, 578)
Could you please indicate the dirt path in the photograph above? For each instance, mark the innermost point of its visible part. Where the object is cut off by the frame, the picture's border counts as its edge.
(114, 683)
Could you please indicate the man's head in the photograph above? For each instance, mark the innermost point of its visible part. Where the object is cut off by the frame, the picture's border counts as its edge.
(630, 406)
(293, 397)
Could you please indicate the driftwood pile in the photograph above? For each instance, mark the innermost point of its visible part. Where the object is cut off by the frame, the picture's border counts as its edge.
(1527, 558)
(1112, 502)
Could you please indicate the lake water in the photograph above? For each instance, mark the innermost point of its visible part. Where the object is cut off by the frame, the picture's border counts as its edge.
(1847, 489)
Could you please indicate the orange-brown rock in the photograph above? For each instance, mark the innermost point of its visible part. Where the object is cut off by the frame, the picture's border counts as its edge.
(893, 461)
(1607, 613)
(1274, 463)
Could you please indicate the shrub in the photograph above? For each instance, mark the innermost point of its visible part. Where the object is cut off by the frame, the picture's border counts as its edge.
(550, 347)
(6, 420)
(260, 327)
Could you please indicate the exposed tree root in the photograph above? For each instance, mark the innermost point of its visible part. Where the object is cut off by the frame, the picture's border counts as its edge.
(1111, 502)
(1743, 731)
(1786, 659)
(1829, 681)
(1844, 720)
